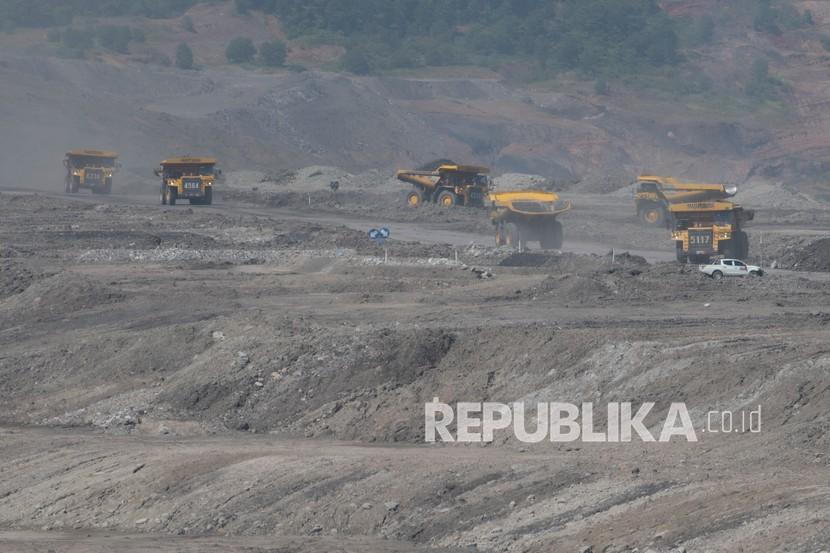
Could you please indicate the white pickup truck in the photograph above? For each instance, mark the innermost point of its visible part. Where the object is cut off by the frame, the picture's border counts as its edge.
(730, 267)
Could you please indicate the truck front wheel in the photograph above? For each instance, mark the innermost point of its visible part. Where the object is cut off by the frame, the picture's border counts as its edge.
(681, 255)
(652, 214)
(447, 198)
(501, 239)
(415, 198)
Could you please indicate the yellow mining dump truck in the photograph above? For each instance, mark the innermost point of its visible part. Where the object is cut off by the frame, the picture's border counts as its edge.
(448, 185)
(705, 230)
(187, 178)
(654, 195)
(524, 216)
(90, 169)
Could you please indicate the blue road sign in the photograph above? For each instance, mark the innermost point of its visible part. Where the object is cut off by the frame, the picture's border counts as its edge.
(379, 234)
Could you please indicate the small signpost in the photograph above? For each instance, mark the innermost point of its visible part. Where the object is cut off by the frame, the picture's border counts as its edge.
(379, 236)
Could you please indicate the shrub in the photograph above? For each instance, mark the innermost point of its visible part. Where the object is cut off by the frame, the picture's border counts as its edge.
(761, 85)
(184, 56)
(355, 61)
(76, 39)
(240, 50)
(273, 53)
(114, 38)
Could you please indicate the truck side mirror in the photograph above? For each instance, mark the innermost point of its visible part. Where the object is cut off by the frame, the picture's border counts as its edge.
(157, 172)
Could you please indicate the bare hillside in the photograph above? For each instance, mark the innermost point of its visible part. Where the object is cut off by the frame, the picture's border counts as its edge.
(289, 120)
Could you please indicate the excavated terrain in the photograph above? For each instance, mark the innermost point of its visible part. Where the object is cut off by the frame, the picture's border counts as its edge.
(251, 376)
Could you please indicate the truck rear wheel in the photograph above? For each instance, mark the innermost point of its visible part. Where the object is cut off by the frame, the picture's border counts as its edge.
(738, 246)
(447, 199)
(208, 196)
(414, 198)
(551, 236)
(743, 245)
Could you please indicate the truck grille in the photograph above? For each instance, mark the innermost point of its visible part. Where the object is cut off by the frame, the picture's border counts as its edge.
(93, 175)
(191, 187)
(700, 240)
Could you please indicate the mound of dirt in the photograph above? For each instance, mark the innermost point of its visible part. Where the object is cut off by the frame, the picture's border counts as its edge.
(435, 164)
(813, 257)
(59, 295)
(319, 236)
(520, 181)
(275, 386)
(15, 277)
(767, 194)
(572, 262)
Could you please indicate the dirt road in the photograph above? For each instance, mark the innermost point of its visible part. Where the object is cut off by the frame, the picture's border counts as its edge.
(426, 232)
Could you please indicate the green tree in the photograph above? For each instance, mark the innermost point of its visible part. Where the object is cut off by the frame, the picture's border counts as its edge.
(760, 84)
(187, 24)
(76, 39)
(114, 37)
(184, 56)
(355, 61)
(138, 35)
(273, 53)
(764, 20)
(240, 50)
(703, 30)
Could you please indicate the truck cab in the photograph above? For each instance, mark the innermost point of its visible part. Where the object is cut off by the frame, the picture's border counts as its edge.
(187, 178)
